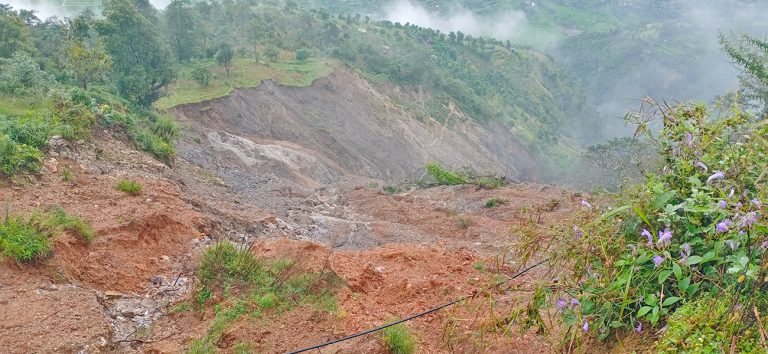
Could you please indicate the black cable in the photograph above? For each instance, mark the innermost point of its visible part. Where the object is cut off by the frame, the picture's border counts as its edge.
(379, 328)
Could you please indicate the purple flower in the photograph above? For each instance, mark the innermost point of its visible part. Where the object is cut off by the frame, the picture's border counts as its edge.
(561, 303)
(577, 232)
(676, 151)
(658, 260)
(723, 225)
(689, 139)
(738, 205)
(748, 219)
(586, 204)
(701, 165)
(639, 327)
(757, 203)
(647, 235)
(716, 176)
(722, 204)
(764, 246)
(585, 327)
(575, 302)
(664, 237)
(685, 251)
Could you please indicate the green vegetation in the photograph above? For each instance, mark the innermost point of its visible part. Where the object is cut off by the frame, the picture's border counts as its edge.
(691, 232)
(29, 239)
(445, 177)
(181, 307)
(129, 186)
(399, 340)
(494, 202)
(751, 55)
(256, 288)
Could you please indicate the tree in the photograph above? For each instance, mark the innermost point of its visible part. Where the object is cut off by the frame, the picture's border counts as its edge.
(142, 64)
(224, 56)
(87, 64)
(751, 56)
(14, 33)
(183, 29)
(201, 74)
(22, 75)
(303, 54)
(272, 53)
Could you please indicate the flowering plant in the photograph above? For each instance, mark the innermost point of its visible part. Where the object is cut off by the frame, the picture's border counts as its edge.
(696, 226)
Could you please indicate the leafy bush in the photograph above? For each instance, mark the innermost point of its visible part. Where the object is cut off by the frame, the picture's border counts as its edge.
(399, 340)
(58, 220)
(166, 128)
(707, 325)
(695, 227)
(18, 157)
(303, 54)
(201, 73)
(21, 75)
(131, 187)
(445, 177)
(22, 241)
(225, 265)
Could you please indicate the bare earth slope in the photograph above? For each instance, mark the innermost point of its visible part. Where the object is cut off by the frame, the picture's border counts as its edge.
(293, 172)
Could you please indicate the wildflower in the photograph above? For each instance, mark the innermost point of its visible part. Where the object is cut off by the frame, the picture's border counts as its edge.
(676, 151)
(764, 246)
(586, 204)
(639, 327)
(701, 165)
(738, 205)
(561, 303)
(748, 219)
(575, 302)
(716, 176)
(664, 237)
(577, 232)
(757, 203)
(722, 204)
(733, 244)
(730, 195)
(647, 235)
(685, 251)
(585, 327)
(658, 260)
(723, 226)
(689, 140)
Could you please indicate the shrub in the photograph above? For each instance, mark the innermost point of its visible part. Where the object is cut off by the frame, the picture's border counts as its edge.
(224, 265)
(303, 54)
(201, 73)
(272, 53)
(166, 128)
(155, 145)
(128, 186)
(399, 340)
(18, 157)
(445, 177)
(22, 241)
(695, 227)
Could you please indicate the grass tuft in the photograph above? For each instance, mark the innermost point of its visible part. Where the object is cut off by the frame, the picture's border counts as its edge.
(399, 340)
(494, 202)
(129, 186)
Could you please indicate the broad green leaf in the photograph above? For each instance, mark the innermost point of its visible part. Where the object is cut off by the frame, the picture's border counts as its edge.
(662, 200)
(692, 260)
(643, 311)
(664, 275)
(678, 271)
(651, 300)
(708, 256)
(613, 212)
(616, 324)
(670, 301)
(684, 283)
(692, 288)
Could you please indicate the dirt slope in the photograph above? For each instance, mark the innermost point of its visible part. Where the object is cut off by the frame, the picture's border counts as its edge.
(343, 125)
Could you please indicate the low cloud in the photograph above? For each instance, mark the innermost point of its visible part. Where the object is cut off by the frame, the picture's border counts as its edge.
(506, 25)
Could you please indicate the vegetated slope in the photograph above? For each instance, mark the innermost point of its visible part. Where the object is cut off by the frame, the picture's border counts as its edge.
(341, 125)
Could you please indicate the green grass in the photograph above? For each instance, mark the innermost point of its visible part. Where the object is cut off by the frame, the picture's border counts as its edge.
(245, 72)
(29, 239)
(249, 286)
(399, 340)
(494, 202)
(445, 177)
(129, 186)
(181, 307)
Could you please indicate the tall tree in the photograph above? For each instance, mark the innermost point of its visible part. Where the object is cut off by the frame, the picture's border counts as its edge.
(142, 64)
(87, 64)
(183, 27)
(14, 32)
(751, 56)
(224, 56)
